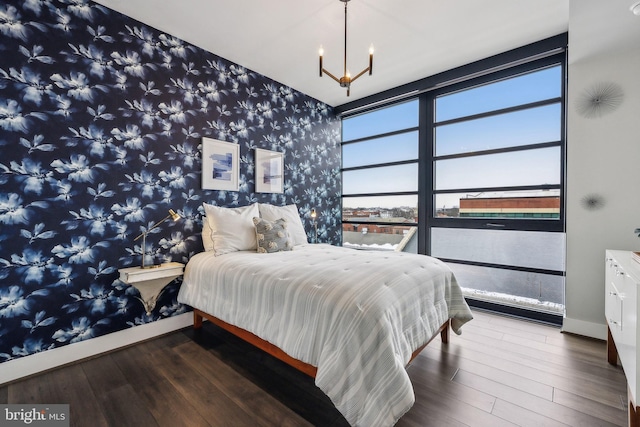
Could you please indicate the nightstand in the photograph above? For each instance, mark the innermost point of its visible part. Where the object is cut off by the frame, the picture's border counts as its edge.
(150, 282)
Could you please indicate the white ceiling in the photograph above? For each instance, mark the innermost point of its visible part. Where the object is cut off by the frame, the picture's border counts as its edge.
(413, 39)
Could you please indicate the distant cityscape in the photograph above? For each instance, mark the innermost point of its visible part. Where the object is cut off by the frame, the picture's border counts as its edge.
(384, 229)
(379, 228)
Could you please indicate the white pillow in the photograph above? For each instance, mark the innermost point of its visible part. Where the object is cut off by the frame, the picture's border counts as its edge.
(290, 213)
(207, 240)
(232, 229)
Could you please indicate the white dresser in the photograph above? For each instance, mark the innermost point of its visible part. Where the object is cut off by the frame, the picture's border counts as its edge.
(622, 275)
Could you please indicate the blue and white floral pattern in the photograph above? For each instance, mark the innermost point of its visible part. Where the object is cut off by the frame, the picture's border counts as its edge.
(101, 120)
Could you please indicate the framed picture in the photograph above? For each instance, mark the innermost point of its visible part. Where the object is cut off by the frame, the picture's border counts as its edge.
(220, 165)
(269, 171)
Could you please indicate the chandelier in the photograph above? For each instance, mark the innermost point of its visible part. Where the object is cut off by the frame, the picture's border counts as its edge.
(346, 79)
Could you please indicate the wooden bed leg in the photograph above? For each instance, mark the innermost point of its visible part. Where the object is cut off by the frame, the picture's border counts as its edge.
(197, 319)
(444, 333)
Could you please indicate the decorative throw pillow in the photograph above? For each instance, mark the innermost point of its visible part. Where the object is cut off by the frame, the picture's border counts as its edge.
(290, 213)
(272, 236)
(231, 228)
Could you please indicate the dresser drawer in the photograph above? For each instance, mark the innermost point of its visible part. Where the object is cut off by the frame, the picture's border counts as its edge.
(613, 308)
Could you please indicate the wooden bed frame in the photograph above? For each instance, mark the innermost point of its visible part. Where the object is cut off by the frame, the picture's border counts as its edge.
(279, 354)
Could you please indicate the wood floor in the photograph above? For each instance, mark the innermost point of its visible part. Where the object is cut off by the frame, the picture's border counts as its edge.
(499, 372)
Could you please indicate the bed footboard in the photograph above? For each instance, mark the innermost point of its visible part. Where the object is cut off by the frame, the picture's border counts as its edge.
(281, 355)
(255, 341)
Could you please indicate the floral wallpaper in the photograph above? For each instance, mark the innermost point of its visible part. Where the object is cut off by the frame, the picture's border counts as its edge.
(101, 121)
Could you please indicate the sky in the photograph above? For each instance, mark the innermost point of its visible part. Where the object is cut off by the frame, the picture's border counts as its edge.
(531, 167)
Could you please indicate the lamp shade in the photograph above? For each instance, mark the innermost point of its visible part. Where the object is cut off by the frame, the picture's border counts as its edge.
(174, 216)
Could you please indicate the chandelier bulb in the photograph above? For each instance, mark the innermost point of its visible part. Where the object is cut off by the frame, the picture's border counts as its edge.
(371, 50)
(321, 51)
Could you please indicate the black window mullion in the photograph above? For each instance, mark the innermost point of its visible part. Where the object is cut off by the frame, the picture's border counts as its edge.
(488, 223)
(497, 189)
(426, 173)
(396, 193)
(501, 150)
(504, 267)
(521, 107)
(563, 146)
(394, 223)
(379, 165)
(380, 136)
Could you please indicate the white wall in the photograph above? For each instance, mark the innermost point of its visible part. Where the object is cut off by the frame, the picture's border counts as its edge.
(603, 159)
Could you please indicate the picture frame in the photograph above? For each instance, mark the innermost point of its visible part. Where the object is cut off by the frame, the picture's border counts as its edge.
(269, 171)
(220, 165)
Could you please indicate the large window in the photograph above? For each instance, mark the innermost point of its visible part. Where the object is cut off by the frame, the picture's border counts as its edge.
(497, 162)
(380, 153)
(473, 173)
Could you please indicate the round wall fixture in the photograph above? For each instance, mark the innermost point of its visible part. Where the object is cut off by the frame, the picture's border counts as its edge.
(635, 8)
(600, 99)
(592, 202)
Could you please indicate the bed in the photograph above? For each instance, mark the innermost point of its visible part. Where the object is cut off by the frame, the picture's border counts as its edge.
(351, 319)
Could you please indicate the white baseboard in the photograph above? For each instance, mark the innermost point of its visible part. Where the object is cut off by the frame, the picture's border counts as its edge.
(587, 329)
(29, 365)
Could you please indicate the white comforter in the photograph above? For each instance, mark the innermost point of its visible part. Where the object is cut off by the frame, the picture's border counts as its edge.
(355, 315)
